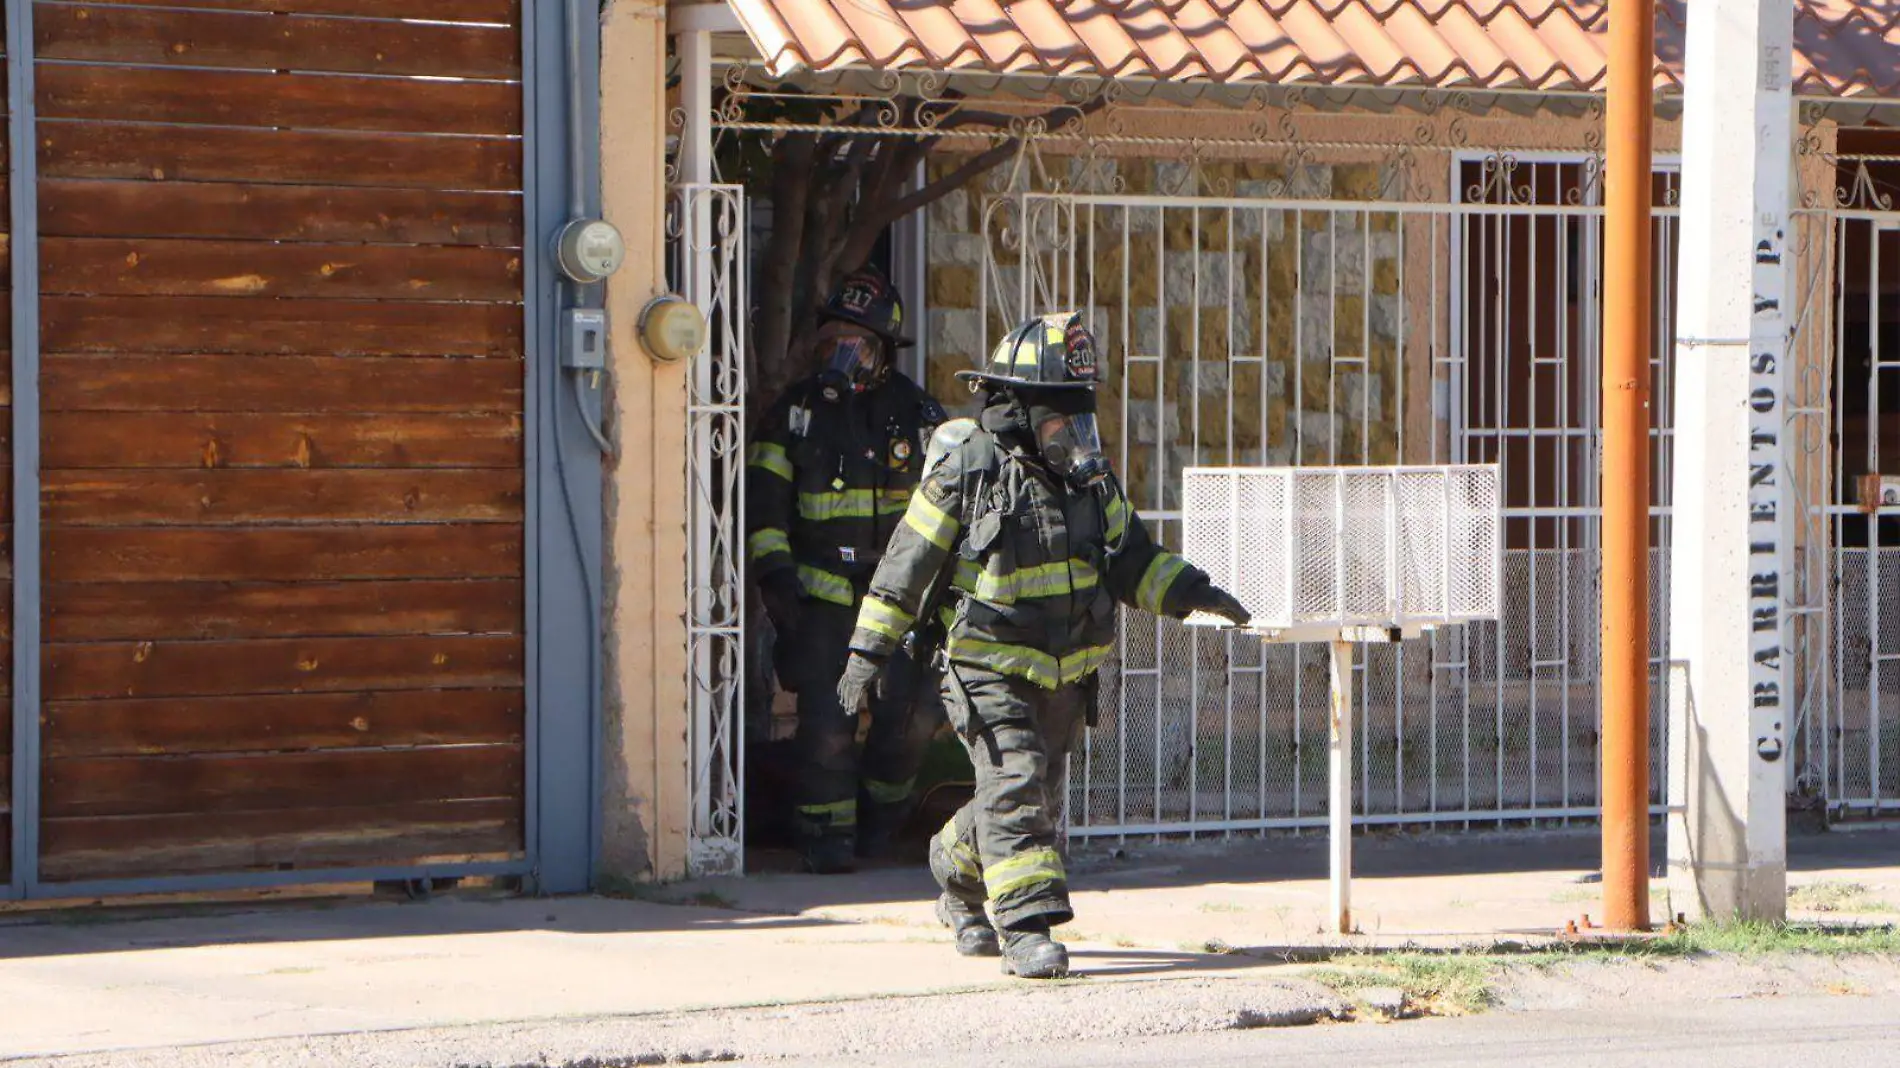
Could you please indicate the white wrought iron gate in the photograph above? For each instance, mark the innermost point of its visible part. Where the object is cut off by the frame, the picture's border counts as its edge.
(1847, 347)
(707, 229)
(1281, 325)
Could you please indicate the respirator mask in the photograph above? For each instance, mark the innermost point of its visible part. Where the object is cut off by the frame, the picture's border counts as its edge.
(1063, 422)
(853, 363)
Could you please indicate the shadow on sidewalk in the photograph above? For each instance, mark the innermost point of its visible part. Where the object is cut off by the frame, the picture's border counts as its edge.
(24, 935)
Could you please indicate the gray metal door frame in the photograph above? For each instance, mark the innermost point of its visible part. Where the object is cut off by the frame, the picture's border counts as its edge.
(562, 540)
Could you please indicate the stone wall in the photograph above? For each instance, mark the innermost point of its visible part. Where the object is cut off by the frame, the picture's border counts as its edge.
(1233, 335)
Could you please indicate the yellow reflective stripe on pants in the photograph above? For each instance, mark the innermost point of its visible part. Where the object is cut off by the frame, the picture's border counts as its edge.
(827, 587)
(767, 456)
(968, 575)
(1034, 665)
(835, 813)
(1041, 580)
(962, 857)
(764, 543)
(1161, 573)
(938, 527)
(888, 793)
(882, 617)
(1024, 869)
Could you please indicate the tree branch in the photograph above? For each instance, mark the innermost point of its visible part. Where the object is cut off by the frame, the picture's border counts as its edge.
(976, 166)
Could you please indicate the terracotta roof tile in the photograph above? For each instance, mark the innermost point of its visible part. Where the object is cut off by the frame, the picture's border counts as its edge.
(1843, 47)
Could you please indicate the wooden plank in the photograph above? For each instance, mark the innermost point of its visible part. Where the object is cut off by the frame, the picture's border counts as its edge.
(505, 12)
(298, 101)
(134, 786)
(102, 33)
(240, 496)
(142, 611)
(280, 665)
(237, 554)
(169, 267)
(333, 327)
(256, 384)
(88, 208)
(308, 157)
(328, 837)
(244, 439)
(290, 723)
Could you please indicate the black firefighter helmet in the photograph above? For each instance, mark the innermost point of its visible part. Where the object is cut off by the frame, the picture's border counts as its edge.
(1055, 351)
(868, 299)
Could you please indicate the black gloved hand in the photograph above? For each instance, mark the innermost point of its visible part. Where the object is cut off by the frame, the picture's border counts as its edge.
(1217, 601)
(860, 680)
(779, 593)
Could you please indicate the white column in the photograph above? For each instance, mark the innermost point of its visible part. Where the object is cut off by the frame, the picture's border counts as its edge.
(1730, 692)
(1339, 786)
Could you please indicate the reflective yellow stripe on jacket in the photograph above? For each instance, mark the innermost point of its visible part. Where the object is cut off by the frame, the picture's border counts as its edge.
(1162, 571)
(851, 504)
(764, 543)
(1117, 514)
(882, 617)
(768, 456)
(937, 526)
(1035, 665)
(827, 587)
(1041, 580)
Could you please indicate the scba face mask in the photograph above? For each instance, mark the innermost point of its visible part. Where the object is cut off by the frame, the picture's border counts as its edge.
(854, 363)
(1070, 440)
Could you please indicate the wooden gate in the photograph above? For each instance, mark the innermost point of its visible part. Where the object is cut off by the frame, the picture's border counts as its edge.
(281, 391)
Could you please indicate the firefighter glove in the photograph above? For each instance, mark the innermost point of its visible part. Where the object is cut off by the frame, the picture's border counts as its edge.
(1217, 601)
(860, 680)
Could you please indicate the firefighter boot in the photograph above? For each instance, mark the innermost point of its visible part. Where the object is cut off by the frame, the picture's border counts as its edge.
(830, 854)
(975, 936)
(879, 825)
(1029, 952)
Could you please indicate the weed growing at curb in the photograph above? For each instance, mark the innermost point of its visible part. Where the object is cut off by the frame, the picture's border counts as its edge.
(1461, 982)
(1434, 984)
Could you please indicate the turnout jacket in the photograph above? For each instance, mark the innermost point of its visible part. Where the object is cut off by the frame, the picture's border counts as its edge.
(1034, 567)
(828, 480)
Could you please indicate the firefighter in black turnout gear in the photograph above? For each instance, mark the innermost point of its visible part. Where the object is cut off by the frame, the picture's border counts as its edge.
(1030, 533)
(828, 479)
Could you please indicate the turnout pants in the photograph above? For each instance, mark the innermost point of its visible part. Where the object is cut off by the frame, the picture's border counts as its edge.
(1001, 847)
(830, 770)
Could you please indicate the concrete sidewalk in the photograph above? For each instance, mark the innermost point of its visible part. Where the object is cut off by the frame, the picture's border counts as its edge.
(78, 983)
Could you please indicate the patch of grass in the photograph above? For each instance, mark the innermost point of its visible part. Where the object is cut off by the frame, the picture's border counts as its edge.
(1220, 906)
(1435, 984)
(1833, 896)
(1211, 945)
(1756, 939)
(1459, 983)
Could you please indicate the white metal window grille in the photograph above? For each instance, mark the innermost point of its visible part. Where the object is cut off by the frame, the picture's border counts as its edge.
(1268, 329)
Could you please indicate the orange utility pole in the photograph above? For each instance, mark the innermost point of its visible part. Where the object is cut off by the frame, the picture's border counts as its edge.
(1627, 288)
